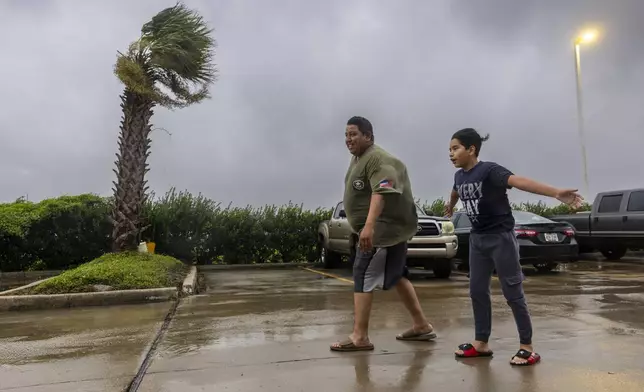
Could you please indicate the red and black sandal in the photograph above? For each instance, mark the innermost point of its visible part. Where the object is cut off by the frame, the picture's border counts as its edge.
(530, 357)
(470, 352)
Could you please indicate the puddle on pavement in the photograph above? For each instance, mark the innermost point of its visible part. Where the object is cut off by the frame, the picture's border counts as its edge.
(41, 336)
(605, 266)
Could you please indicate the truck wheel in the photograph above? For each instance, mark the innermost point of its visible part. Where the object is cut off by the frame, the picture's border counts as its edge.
(329, 258)
(442, 269)
(463, 266)
(614, 253)
(545, 267)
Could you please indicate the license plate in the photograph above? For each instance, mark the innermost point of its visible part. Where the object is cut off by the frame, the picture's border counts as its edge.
(551, 237)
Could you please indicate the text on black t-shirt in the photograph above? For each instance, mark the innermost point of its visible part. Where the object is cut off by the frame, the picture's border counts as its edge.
(483, 192)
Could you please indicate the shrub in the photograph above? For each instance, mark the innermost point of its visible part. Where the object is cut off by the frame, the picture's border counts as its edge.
(196, 228)
(541, 208)
(435, 208)
(291, 232)
(70, 230)
(120, 271)
(180, 224)
(59, 232)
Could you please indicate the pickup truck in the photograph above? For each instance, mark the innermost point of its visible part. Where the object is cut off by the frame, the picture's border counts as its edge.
(433, 246)
(615, 224)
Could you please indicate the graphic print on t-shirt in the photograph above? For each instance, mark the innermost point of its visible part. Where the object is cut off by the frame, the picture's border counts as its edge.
(470, 194)
(482, 191)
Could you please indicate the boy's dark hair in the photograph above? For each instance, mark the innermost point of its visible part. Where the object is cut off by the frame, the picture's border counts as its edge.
(364, 125)
(469, 137)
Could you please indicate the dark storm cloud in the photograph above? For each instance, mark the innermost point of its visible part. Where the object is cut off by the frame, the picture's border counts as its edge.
(291, 73)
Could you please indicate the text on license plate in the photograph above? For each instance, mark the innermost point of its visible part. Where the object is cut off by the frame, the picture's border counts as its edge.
(551, 237)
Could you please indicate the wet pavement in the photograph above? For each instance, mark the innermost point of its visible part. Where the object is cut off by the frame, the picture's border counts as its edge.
(90, 349)
(270, 330)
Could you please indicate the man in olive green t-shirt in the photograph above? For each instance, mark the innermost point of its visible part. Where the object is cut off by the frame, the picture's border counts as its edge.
(380, 207)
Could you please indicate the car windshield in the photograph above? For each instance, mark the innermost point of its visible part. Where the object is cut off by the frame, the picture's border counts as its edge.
(522, 218)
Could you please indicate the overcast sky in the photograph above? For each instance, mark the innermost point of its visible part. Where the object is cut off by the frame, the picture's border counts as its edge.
(292, 72)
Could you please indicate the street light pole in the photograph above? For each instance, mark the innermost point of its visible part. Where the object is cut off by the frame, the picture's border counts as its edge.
(580, 115)
(587, 37)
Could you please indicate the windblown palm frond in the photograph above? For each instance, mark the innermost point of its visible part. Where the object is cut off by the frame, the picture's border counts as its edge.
(172, 61)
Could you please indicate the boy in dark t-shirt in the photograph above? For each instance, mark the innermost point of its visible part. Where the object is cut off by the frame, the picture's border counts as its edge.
(482, 188)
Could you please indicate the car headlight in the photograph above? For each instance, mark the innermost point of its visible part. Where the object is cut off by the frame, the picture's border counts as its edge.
(448, 227)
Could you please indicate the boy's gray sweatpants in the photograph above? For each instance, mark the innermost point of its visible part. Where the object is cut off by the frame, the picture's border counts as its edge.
(500, 251)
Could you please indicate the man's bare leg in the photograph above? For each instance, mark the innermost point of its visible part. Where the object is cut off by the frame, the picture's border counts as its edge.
(362, 311)
(408, 295)
(362, 304)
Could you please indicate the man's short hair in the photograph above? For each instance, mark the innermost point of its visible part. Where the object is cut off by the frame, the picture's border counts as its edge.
(363, 125)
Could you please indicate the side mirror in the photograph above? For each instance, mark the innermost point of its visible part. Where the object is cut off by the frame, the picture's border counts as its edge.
(342, 214)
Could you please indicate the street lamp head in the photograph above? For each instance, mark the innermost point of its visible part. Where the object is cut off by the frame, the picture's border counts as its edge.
(587, 37)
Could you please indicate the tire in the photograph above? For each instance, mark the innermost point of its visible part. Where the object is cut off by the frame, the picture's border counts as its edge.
(545, 267)
(463, 266)
(614, 253)
(442, 269)
(328, 258)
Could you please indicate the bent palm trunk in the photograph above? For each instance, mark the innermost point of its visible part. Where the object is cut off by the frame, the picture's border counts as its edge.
(169, 65)
(131, 165)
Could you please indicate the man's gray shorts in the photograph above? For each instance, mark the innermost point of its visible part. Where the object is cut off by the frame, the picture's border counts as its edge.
(380, 268)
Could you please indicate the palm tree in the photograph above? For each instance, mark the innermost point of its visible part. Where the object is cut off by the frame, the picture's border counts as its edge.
(169, 65)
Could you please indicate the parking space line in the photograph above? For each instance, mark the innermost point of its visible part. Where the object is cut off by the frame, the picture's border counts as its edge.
(328, 275)
(340, 278)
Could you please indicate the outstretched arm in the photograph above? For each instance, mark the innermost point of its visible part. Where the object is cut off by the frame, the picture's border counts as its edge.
(503, 177)
(567, 196)
(527, 185)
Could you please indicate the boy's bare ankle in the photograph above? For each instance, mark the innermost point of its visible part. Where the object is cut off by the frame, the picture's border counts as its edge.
(480, 346)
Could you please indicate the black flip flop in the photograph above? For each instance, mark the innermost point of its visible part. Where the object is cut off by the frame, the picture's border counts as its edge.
(532, 358)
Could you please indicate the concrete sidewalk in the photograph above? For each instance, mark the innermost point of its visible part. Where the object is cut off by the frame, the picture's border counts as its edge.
(83, 349)
(270, 331)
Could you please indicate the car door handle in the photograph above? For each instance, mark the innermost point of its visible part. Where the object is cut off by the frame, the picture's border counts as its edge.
(596, 219)
(624, 218)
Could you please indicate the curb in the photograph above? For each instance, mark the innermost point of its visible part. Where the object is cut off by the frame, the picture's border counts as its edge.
(18, 289)
(268, 266)
(190, 282)
(57, 301)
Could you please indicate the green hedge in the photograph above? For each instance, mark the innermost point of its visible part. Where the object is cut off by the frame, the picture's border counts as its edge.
(54, 233)
(437, 207)
(70, 230)
(198, 229)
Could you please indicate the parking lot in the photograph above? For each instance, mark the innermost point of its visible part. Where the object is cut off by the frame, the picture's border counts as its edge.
(270, 330)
